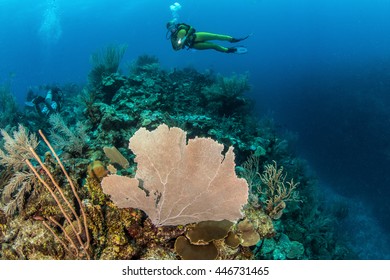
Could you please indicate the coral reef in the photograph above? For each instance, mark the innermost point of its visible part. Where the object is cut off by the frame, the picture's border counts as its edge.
(9, 114)
(54, 207)
(104, 63)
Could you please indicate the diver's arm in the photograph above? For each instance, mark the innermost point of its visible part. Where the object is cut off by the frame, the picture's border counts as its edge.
(181, 38)
(190, 31)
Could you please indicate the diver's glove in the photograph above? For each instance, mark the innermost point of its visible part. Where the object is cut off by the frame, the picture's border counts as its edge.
(182, 41)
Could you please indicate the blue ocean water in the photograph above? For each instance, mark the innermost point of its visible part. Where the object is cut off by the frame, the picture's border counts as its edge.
(320, 68)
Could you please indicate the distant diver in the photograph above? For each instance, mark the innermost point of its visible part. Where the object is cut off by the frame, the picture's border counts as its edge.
(183, 36)
(46, 105)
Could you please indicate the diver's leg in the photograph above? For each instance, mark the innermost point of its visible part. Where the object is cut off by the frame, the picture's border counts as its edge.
(206, 36)
(209, 46)
(212, 46)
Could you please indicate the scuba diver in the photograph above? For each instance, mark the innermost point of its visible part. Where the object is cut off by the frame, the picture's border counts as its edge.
(46, 105)
(183, 36)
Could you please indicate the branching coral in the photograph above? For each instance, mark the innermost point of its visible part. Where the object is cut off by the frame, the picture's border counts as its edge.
(13, 156)
(144, 63)
(8, 106)
(15, 192)
(110, 57)
(16, 149)
(76, 228)
(277, 190)
(105, 62)
(71, 140)
(250, 171)
(234, 86)
(269, 188)
(226, 96)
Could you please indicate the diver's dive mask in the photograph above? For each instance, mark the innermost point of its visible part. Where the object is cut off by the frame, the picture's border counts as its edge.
(172, 29)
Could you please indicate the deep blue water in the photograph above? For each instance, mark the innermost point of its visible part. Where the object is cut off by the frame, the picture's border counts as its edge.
(321, 68)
